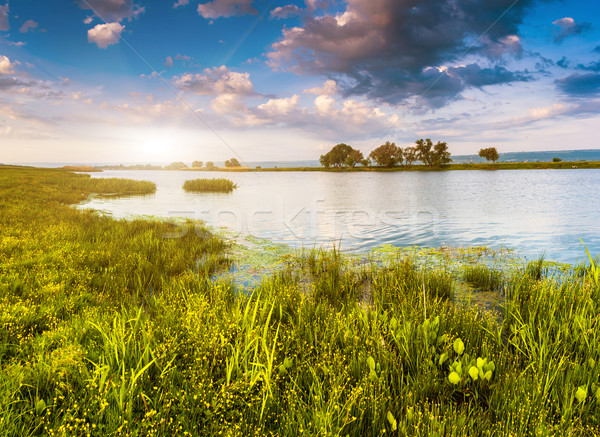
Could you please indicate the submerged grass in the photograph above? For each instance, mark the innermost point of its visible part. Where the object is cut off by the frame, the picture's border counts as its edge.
(215, 185)
(108, 328)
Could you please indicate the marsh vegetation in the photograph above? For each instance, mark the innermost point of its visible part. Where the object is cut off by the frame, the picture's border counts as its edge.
(214, 185)
(114, 327)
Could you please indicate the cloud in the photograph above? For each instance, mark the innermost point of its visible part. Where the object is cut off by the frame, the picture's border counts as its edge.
(4, 25)
(280, 107)
(375, 45)
(580, 85)
(168, 62)
(28, 25)
(185, 58)
(566, 27)
(113, 10)
(6, 67)
(105, 34)
(88, 20)
(180, 3)
(226, 8)
(286, 11)
(329, 88)
(215, 81)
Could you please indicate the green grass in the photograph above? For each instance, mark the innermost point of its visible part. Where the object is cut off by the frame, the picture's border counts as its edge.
(107, 327)
(215, 185)
(483, 277)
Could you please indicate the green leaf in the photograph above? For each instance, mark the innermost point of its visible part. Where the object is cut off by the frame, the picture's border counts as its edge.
(591, 363)
(454, 378)
(371, 363)
(393, 324)
(581, 394)
(40, 406)
(459, 346)
(488, 375)
(443, 358)
(392, 420)
(598, 394)
(474, 373)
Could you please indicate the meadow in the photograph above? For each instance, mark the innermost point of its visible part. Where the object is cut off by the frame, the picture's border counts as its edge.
(128, 327)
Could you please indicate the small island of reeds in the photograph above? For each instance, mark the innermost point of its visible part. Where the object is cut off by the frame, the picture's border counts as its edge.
(215, 185)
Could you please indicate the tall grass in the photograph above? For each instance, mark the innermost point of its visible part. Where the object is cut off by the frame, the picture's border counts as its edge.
(107, 328)
(483, 277)
(215, 185)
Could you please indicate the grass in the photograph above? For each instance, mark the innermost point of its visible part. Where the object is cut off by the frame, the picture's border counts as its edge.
(483, 277)
(215, 185)
(108, 328)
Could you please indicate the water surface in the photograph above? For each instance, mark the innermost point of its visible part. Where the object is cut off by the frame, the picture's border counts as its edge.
(531, 211)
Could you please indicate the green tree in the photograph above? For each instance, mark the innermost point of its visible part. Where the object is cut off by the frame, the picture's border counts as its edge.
(431, 155)
(490, 154)
(556, 160)
(410, 156)
(232, 163)
(441, 155)
(387, 155)
(424, 153)
(197, 164)
(210, 165)
(177, 165)
(337, 156)
(355, 157)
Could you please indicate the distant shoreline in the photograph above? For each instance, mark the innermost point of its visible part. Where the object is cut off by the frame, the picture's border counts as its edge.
(450, 167)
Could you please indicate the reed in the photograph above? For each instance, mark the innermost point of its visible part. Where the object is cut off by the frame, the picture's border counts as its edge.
(215, 185)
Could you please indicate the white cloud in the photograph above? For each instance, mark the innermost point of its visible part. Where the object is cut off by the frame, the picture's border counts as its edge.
(105, 34)
(329, 88)
(280, 107)
(168, 62)
(28, 25)
(286, 11)
(219, 80)
(226, 8)
(4, 25)
(6, 67)
(88, 20)
(180, 3)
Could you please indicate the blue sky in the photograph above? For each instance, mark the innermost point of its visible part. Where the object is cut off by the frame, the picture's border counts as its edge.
(147, 81)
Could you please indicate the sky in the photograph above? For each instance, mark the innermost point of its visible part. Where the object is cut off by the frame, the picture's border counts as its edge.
(160, 81)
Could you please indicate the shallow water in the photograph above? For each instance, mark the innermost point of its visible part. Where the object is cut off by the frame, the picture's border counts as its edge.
(531, 211)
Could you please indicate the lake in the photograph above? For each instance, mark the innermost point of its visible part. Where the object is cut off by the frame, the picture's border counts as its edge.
(531, 211)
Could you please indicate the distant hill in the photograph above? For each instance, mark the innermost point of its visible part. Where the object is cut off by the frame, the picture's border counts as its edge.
(565, 155)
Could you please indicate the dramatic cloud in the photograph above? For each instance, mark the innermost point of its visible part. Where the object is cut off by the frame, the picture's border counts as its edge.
(113, 10)
(4, 17)
(580, 85)
(566, 27)
(105, 34)
(286, 11)
(329, 88)
(226, 8)
(377, 45)
(216, 81)
(28, 25)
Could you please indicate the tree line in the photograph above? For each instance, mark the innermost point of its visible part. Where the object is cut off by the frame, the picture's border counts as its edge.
(389, 155)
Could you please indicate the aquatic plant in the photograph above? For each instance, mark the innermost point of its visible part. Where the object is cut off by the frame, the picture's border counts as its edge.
(214, 185)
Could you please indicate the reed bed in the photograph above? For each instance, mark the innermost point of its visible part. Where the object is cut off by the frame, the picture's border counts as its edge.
(214, 185)
(113, 327)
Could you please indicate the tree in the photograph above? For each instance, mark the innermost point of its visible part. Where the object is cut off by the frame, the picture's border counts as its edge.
(490, 154)
(441, 155)
(432, 155)
(355, 157)
(410, 156)
(423, 148)
(197, 164)
(387, 155)
(337, 156)
(210, 165)
(232, 163)
(556, 160)
(178, 165)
